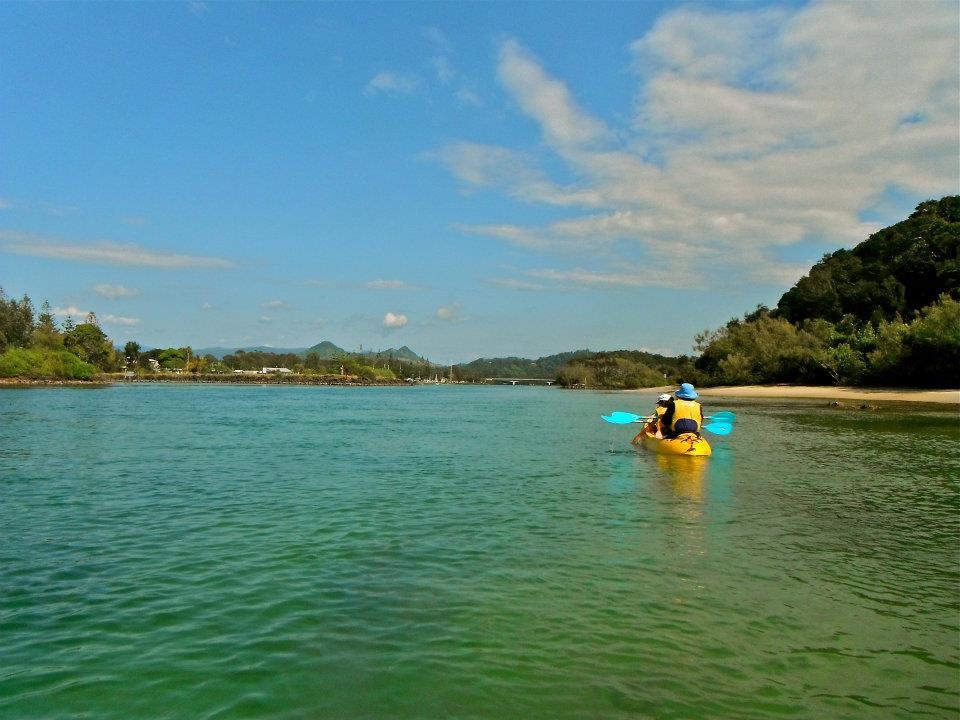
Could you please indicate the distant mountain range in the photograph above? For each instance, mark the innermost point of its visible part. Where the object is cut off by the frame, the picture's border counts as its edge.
(324, 349)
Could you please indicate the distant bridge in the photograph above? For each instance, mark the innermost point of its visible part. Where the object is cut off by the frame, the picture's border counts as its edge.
(520, 381)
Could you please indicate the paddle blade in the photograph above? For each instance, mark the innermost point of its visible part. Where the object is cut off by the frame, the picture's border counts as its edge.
(621, 418)
(719, 428)
(724, 416)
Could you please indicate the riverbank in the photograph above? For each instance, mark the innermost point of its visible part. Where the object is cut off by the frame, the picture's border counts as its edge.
(105, 380)
(812, 392)
(15, 382)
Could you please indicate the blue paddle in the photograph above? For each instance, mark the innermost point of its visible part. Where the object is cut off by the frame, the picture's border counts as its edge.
(719, 428)
(723, 416)
(624, 418)
(621, 418)
(618, 417)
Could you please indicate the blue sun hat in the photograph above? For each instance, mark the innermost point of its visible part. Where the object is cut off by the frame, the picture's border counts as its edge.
(686, 392)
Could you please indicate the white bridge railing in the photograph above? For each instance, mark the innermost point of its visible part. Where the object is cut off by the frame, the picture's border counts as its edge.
(520, 381)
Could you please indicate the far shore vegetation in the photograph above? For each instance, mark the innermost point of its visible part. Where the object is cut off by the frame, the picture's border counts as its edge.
(885, 313)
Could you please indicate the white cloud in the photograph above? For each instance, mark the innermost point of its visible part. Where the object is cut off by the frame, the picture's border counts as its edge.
(265, 319)
(102, 252)
(388, 285)
(134, 220)
(493, 166)
(70, 311)
(449, 313)
(443, 69)
(117, 320)
(206, 306)
(466, 96)
(114, 291)
(276, 305)
(591, 278)
(546, 100)
(393, 320)
(438, 38)
(514, 284)
(754, 130)
(389, 82)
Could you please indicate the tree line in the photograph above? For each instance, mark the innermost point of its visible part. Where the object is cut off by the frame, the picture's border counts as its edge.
(33, 345)
(884, 313)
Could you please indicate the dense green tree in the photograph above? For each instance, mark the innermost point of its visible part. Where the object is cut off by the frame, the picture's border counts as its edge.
(932, 345)
(843, 322)
(623, 369)
(89, 343)
(131, 353)
(16, 321)
(763, 350)
(45, 333)
(173, 358)
(899, 269)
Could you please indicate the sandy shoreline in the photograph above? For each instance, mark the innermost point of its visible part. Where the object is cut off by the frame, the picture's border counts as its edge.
(946, 397)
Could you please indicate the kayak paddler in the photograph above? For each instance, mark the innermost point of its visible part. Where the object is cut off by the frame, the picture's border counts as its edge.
(663, 402)
(683, 415)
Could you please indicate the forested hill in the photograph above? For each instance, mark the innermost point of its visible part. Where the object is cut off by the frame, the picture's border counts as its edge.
(900, 269)
(884, 313)
(515, 367)
(584, 368)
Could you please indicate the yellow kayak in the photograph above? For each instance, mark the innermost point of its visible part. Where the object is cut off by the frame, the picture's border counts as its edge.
(689, 444)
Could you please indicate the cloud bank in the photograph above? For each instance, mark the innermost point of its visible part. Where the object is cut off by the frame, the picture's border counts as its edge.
(118, 320)
(393, 83)
(388, 285)
(114, 292)
(103, 252)
(752, 131)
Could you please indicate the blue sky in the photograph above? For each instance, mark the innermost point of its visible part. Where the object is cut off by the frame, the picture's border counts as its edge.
(468, 179)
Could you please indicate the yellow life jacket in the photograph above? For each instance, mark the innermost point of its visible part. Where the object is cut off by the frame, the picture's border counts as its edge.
(689, 409)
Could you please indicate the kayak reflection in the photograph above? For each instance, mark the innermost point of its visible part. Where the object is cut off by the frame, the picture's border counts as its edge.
(686, 476)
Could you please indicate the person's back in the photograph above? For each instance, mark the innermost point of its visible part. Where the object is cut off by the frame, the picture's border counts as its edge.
(684, 415)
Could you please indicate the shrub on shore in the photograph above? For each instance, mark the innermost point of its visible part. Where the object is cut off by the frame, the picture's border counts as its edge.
(40, 363)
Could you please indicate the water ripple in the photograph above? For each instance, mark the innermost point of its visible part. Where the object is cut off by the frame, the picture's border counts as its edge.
(219, 552)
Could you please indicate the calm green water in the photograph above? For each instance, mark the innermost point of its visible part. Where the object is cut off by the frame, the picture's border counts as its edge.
(465, 552)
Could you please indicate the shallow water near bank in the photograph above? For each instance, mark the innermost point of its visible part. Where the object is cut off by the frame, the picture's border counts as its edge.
(470, 552)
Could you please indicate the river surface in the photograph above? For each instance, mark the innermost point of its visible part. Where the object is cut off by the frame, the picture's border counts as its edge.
(193, 551)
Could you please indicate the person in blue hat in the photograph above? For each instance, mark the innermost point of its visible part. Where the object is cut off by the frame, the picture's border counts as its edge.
(684, 414)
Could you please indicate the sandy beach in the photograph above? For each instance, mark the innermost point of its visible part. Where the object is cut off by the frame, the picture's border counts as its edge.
(947, 397)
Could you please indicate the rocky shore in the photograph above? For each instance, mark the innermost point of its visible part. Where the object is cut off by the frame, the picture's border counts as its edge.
(116, 378)
(47, 382)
